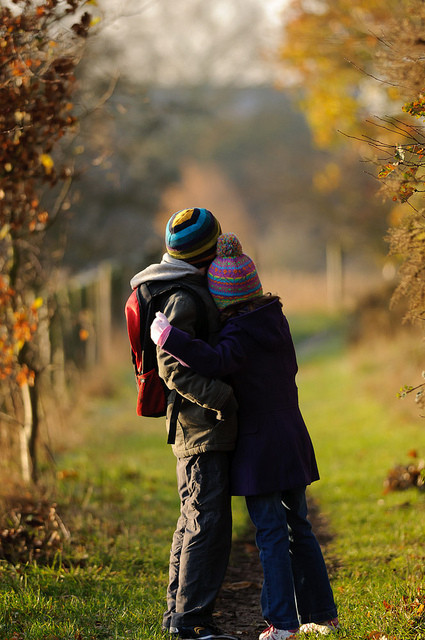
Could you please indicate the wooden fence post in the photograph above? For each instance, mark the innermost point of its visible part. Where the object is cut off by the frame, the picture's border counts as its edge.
(103, 311)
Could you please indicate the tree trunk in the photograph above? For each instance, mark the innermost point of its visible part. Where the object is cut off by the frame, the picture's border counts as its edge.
(33, 437)
(334, 274)
(25, 433)
(103, 311)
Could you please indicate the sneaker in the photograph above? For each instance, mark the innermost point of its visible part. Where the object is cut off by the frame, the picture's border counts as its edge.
(170, 630)
(203, 633)
(324, 628)
(271, 633)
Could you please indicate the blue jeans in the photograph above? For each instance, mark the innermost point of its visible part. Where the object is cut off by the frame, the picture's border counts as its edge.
(296, 587)
(202, 539)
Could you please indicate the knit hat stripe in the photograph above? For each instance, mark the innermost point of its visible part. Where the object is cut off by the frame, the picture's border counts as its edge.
(222, 301)
(225, 295)
(192, 248)
(184, 220)
(242, 283)
(191, 253)
(241, 286)
(228, 268)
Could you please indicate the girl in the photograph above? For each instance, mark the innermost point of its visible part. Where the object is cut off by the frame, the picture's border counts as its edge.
(274, 459)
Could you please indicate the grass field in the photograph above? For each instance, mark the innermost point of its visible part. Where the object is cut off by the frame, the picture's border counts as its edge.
(116, 496)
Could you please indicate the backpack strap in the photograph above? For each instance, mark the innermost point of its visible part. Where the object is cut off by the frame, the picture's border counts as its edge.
(173, 418)
(201, 325)
(201, 330)
(145, 300)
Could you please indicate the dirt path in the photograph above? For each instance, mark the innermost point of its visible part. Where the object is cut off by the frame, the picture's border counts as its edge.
(238, 608)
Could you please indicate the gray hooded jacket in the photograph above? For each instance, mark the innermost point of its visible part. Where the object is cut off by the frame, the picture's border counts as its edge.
(207, 417)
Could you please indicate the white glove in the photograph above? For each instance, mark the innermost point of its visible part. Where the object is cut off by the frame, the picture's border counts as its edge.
(159, 324)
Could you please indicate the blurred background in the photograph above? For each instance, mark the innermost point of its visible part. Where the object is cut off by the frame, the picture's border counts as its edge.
(294, 121)
(205, 111)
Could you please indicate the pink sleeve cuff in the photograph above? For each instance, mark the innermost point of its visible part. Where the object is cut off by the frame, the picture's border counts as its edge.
(163, 339)
(164, 335)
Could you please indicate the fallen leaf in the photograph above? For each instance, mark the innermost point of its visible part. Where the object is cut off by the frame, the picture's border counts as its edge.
(236, 586)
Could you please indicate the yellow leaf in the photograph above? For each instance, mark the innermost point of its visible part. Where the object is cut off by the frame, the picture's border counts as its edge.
(4, 231)
(67, 473)
(47, 162)
(38, 302)
(19, 115)
(386, 170)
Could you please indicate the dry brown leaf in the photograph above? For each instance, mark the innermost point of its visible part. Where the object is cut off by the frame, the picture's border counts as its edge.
(237, 586)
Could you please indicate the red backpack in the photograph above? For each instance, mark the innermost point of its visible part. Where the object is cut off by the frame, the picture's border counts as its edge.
(140, 311)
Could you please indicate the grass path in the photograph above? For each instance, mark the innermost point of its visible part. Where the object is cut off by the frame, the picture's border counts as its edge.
(117, 496)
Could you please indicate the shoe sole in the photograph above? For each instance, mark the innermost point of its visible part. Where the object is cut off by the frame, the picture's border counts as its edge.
(222, 636)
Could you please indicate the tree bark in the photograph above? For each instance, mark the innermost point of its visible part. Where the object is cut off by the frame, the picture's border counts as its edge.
(33, 437)
(334, 274)
(25, 433)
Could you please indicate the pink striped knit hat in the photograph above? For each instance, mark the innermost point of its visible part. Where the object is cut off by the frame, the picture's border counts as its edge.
(232, 276)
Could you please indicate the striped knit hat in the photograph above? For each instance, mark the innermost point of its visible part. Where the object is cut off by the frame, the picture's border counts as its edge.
(191, 235)
(232, 276)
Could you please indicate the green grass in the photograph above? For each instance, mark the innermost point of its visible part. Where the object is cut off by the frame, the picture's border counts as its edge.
(378, 541)
(118, 497)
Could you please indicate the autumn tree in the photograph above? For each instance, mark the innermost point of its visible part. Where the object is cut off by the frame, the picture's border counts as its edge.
(361, 74)
(400, 147)
(41, 44)
(323, 47)
(329, 49)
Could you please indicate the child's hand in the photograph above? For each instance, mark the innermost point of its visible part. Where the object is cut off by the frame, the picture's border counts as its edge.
(158, 326)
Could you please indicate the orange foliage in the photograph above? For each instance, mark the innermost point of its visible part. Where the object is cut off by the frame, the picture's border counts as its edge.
(36, 84)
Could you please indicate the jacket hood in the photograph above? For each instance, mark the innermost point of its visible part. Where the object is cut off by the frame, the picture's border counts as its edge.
(168, 269)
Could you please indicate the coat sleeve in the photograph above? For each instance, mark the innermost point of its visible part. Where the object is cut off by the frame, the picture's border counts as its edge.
(226, 358)
(203, 390)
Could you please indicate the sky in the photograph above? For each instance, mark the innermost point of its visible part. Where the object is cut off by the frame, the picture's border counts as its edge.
(188, 41)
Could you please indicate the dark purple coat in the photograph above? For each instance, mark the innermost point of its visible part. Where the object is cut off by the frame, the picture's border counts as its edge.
(255, 351)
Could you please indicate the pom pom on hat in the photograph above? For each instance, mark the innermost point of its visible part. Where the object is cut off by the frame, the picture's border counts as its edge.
(191, 235)
(232, 276)
(228, 246)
